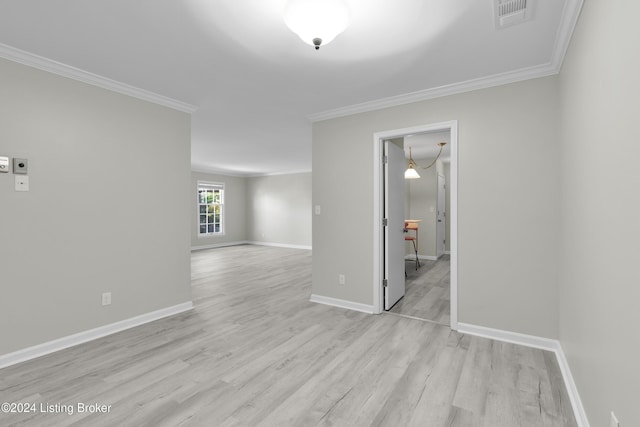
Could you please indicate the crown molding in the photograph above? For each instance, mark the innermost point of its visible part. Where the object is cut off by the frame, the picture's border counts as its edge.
(217, 171)
(225, 172)
(29, 59)
(289, 172)
(437, 92)
(568, 22)
(569, 19)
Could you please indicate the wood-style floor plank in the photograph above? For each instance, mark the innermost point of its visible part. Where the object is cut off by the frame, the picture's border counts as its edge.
(255, 352)
(427, 291)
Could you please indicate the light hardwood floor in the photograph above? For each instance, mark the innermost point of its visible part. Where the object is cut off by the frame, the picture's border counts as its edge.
(427, 291)
(255, 352)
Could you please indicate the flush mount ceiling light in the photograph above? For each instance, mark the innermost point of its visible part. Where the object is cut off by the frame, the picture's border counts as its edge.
(316, 22)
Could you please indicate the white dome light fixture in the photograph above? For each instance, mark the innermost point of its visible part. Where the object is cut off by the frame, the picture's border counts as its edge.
(316, 22)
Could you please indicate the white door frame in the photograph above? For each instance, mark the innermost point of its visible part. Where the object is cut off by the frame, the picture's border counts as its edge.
(378, 188)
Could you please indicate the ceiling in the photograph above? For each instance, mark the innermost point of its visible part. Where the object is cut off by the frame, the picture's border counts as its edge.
(425, 145)
(256, 87)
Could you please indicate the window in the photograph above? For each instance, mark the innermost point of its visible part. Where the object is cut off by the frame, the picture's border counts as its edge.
(210, 208)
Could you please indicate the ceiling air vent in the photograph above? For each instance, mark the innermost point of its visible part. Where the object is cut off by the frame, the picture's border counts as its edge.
(511, 12)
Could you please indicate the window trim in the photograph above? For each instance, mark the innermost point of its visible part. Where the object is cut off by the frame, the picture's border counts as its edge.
(211, 185)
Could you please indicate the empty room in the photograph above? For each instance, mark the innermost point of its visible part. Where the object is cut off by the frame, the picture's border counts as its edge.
(319, 213)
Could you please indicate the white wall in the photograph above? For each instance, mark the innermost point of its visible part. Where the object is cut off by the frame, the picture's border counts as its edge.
(108, 208)
(280, 209)
(599, 275)
(507, 228)
(235, 210)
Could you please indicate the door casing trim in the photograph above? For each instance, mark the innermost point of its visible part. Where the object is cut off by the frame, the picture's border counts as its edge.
(452, 216)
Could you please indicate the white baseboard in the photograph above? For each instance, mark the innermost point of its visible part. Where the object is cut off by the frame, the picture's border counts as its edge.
(249, 242)
(541, 343)
(335, 302)
(507, 336)
(89, 335)
(218, 245)
(280, 245)
(412, 257)
(576, 402)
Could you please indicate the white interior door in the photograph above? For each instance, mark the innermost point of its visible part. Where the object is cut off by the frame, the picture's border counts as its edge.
(441, 217)
(393, 231)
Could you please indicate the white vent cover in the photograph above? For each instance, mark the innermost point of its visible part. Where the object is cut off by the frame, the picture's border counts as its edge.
(511, 12)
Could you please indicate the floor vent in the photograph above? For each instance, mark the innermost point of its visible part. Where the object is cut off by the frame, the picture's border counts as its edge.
(512, 12)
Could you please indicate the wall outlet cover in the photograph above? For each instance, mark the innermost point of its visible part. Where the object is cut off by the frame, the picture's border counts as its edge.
(22, 183)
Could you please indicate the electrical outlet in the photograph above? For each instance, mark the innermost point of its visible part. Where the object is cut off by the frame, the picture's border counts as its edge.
(106, 298)
(22, 182)
(614, 421)
(342, 279)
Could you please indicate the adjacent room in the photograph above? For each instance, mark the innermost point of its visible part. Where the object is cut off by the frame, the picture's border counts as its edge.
(427, 258)
(210, 214)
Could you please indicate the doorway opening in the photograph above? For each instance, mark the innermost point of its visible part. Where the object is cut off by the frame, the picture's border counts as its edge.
(433, 255)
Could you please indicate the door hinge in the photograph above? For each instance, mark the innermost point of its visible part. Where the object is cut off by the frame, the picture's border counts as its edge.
(385, 221)
(385, 160)
(385, 283)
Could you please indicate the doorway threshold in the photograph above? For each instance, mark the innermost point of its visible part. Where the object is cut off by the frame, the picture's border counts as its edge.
(417, 318)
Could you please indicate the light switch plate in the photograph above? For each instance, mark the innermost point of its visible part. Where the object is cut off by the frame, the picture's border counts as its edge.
(4, 164)
(106, 298)
(22, 183)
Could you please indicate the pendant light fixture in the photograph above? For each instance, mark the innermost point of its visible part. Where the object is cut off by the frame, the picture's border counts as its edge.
(411, 173)
(316, 22)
